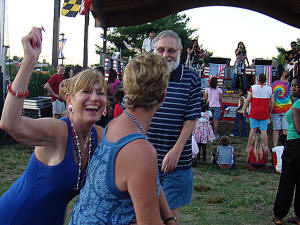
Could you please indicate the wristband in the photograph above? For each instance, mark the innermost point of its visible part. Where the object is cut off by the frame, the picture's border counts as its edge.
(17, 94)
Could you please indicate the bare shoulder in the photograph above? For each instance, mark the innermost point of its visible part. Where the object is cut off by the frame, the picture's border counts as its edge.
(141, 150)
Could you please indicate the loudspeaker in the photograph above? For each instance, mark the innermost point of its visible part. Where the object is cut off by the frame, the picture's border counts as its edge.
(262, 62)
(218, 60)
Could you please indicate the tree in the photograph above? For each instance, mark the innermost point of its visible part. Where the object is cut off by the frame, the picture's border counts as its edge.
(129, 40)
(282, 52)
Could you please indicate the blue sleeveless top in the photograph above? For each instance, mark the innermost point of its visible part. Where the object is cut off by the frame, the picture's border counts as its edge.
(100, 201)
(40, 195)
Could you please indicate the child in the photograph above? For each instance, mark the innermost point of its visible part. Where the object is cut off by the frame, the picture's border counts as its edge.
(203, 132)
(257, 155)
(214, 96)
(119, 95)
(277, 153)
(239, 116)
(225, 154)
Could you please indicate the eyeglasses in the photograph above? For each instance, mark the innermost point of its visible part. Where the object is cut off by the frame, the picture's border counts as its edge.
(170, 51)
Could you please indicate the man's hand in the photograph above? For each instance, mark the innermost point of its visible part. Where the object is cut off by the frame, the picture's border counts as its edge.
(170, 161)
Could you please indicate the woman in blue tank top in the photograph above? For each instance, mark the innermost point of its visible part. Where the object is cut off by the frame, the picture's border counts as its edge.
(57, 169)
(122, 182)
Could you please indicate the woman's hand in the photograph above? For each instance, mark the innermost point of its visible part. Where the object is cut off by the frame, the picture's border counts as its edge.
(32, 44)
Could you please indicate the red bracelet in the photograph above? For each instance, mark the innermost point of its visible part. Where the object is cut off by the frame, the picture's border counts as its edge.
(17, 94)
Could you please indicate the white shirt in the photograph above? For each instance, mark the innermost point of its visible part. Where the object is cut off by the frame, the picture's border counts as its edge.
(148, 45)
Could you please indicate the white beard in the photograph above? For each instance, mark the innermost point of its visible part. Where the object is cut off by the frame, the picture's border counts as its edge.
(173, 65)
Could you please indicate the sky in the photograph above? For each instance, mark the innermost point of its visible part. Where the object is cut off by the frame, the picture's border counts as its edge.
(219, 30)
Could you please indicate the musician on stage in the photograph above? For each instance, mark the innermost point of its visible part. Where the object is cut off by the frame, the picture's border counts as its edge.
(292, 59)
(240, 79)
(195, 55)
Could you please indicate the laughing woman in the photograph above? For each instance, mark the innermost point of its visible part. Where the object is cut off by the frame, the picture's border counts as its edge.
(63, 148)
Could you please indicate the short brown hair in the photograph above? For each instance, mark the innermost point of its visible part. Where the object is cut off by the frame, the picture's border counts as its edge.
(224, 140)
(262, 78)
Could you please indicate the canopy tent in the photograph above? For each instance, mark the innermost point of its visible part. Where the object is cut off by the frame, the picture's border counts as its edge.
(116, 13)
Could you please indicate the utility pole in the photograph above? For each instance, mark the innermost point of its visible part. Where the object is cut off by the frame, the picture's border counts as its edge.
(56, 19)
(86, 37)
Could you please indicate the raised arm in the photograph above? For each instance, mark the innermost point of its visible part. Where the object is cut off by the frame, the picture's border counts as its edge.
(24, 129)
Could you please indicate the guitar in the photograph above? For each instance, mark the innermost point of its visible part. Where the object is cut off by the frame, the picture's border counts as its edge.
(290, 67)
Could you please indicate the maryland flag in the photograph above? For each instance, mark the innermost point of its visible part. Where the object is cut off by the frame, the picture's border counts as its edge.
(70, 8)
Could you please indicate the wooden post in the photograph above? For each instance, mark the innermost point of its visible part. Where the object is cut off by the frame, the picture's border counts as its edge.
(85, 47)
(56, 20)
(104, 39)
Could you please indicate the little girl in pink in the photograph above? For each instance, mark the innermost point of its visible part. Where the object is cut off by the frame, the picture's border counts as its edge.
(203, 132)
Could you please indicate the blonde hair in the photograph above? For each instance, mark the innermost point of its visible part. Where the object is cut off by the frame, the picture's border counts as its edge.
(257, 143)
(83, 80)
(145, 81)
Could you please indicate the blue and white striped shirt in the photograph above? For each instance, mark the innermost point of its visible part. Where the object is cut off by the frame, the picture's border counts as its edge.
(182, 103)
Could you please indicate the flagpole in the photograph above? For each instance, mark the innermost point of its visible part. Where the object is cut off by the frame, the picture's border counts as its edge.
(56, 19)
(3, 52)
(86, 35)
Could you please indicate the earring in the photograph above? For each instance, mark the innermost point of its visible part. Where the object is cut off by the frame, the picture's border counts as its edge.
(70, 108)
(104, 112)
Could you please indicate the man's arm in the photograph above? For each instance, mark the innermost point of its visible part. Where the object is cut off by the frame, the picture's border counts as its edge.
(48, 88)
(171, 159)
(144, 46)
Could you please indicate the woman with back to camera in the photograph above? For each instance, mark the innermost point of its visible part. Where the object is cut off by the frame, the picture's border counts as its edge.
(122, 181)
(214, 96)
(290, 174)
(63, 147)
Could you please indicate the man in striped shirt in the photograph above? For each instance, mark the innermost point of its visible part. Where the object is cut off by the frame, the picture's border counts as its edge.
(172, 125)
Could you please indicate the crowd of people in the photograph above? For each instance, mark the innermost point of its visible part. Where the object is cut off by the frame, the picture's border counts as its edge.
(125, 145)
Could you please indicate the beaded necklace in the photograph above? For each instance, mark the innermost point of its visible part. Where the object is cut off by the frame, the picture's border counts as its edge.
(76, 144)
(136, 122)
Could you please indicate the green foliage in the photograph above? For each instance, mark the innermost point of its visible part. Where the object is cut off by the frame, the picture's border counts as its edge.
(282, 52)
(36, 84)
(134, 35)
(37, 80)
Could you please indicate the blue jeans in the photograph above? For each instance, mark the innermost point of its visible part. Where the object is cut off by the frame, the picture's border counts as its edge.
(239, 117)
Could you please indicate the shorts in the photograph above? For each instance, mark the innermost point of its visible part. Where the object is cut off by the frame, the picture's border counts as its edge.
(279, 121)
(216, 112)
(262, 124)
(178, 187)
(58, 107)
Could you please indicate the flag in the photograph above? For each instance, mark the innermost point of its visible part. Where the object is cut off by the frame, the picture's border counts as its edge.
(70, 8)
(84, 7)
(217, 70)
(61, 48)
(265, 69)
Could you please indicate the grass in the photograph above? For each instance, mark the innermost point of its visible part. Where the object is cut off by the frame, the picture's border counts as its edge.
(221, 197)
